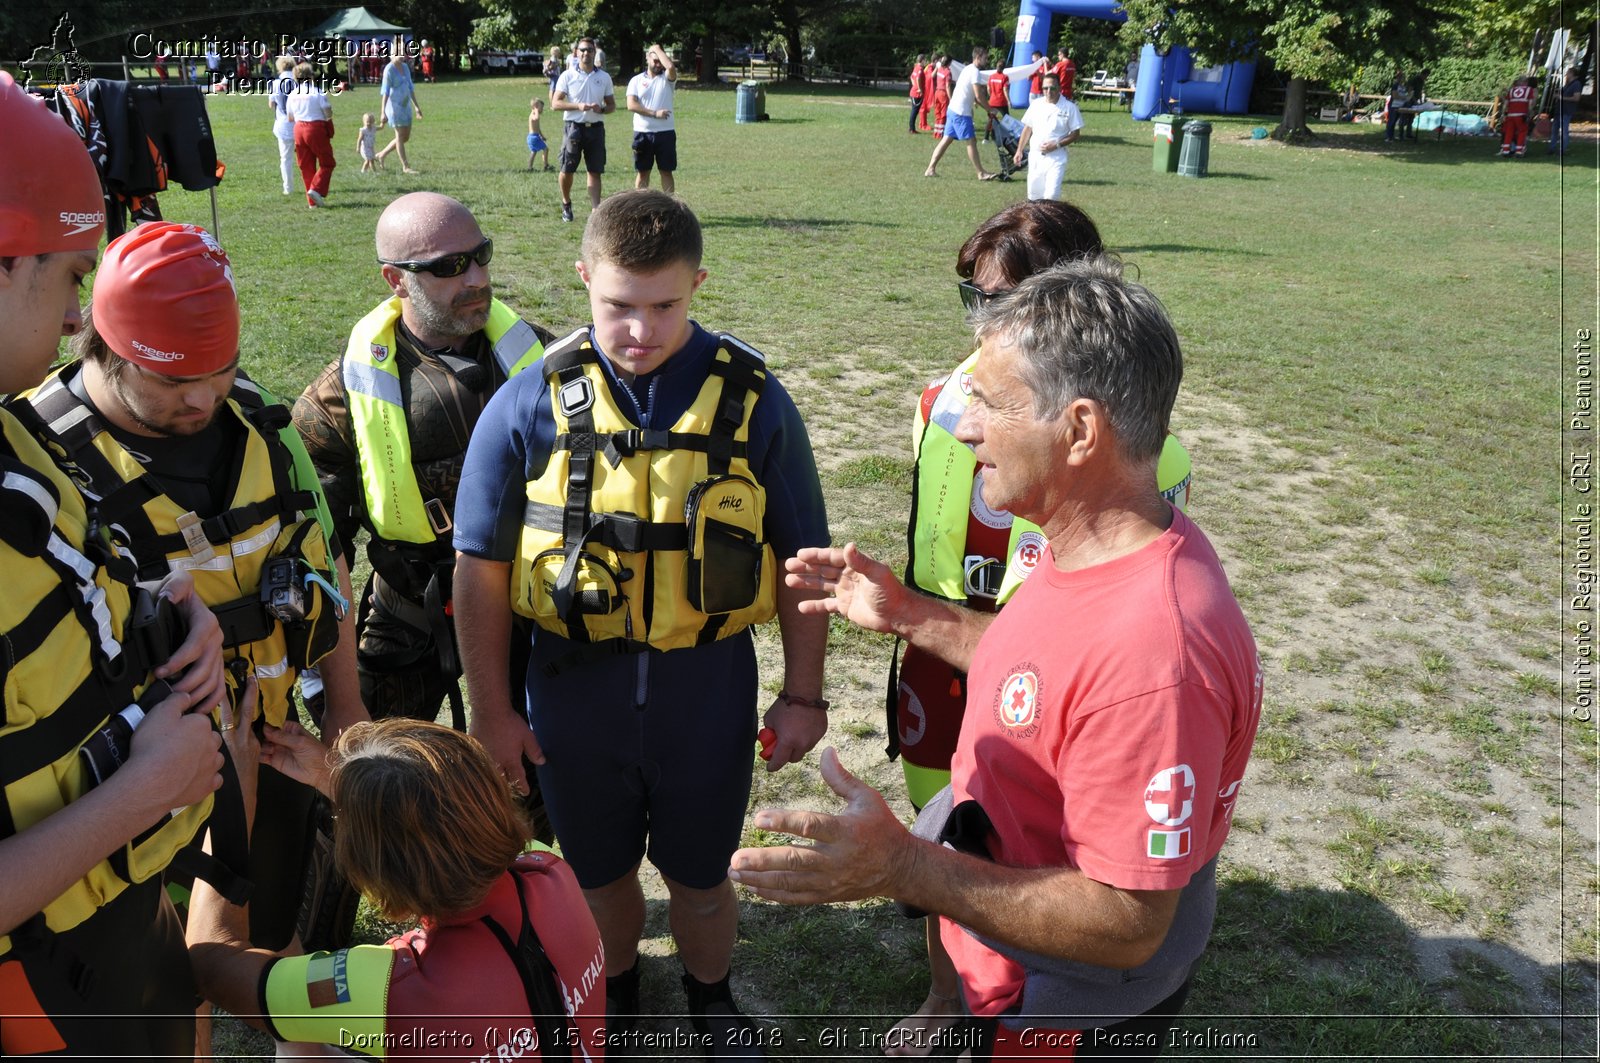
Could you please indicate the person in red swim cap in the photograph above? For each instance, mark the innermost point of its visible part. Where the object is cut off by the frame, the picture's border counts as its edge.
(107, 773)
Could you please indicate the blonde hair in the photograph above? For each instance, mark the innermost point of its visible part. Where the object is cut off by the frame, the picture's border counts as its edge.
(304, 72)
(285, 63)
(426, 821)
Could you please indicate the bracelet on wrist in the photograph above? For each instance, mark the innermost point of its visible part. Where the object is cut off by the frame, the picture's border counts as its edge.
(820, 704)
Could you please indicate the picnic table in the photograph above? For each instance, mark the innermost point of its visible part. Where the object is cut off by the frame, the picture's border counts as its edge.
(1113, 94)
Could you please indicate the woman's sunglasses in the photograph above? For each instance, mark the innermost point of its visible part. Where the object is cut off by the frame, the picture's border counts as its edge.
(972, 296)
(447, 265)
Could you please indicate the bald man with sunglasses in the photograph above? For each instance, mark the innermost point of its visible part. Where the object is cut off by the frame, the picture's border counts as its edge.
(387, 426)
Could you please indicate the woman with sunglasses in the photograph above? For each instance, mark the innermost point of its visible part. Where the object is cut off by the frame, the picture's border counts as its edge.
(507, 956)
(963, 551)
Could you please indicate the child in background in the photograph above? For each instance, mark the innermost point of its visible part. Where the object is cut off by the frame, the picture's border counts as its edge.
(536, 144)
(367, 143)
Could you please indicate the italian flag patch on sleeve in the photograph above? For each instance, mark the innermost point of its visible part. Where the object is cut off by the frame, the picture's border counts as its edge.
(1167, 844)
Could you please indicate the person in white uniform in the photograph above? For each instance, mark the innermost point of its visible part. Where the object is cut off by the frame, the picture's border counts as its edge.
(1048, 126)
(655, 133)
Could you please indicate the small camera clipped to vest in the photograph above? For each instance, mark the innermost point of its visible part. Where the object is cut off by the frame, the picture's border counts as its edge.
(283, 592)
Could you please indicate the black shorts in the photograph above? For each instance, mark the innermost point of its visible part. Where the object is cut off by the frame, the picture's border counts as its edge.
(668, 780)
(656, 149)
(588, 140)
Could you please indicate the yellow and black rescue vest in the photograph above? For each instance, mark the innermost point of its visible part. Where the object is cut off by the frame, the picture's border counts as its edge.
(276, 511)
(395, 507)
(941, 499)
(69, 667)
(646, 537)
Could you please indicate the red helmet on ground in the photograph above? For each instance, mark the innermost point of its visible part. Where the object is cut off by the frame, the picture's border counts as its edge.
(50, 197)
(164, 298)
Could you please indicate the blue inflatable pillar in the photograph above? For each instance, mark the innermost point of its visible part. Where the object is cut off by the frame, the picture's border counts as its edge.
(1033, 34)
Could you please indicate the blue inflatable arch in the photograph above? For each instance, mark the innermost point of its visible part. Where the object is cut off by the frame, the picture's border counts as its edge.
(1162, 78)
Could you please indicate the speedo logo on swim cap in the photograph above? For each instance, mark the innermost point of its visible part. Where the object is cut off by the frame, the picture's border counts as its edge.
(83, 222)
(151, 352)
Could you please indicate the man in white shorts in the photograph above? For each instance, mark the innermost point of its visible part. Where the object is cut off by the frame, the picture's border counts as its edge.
(1051, 123)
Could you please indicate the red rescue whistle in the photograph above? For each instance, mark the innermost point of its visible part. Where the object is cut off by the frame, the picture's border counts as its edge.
(769, 741)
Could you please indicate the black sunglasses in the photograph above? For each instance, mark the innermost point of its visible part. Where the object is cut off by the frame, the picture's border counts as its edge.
(973, 296)
(448, 265)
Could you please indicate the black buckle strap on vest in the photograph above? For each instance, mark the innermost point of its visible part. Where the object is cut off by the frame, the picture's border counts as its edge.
(556, 1030)
(743, 373)
(226, 868)
(244, 620)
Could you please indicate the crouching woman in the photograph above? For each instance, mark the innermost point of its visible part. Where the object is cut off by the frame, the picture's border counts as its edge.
(507, 955)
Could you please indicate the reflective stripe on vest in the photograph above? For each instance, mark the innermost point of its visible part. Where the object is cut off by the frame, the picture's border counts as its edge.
(941, 501)
(378, 419)
(61, 687)
(634, 525)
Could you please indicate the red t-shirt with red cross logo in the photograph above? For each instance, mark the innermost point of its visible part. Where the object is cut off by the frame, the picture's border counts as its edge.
(1110, 713)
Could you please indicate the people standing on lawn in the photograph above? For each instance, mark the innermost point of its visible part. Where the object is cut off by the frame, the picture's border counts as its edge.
(1036, 79)
(1073, 858)
(1066, 72)
(536, 141)
(1399, 99)
(1514, 119)
(425, 59)
(584, 97)
(553, 66)
(313, 134)
(916, 92)
(655, 135)
(999, 101)
(282, 121)
(925, 112)
(942, 78)
(963, 551)
(1050, 123)
(399, 96)
(1567, 98)
(367, 143)
(639, 704)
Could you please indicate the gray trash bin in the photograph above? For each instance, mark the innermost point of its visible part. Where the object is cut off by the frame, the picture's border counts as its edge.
(750, 102)
(1195, 157)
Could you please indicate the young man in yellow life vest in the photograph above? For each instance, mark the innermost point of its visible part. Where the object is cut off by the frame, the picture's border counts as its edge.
(199, 467)
(635, 498)
(108, 755)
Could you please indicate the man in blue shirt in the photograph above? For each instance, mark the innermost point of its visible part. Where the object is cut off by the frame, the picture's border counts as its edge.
(635, 498)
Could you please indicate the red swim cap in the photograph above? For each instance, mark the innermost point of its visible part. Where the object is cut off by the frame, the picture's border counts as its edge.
(164, 298)
(50, 198)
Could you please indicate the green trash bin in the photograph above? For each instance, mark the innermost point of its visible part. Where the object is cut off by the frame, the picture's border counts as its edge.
(1196, 154)
(1167, 131)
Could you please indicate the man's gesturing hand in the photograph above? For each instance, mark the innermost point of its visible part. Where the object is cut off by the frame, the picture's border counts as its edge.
(861, 852)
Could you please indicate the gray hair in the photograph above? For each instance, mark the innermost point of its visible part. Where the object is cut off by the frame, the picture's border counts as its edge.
(1083, 331)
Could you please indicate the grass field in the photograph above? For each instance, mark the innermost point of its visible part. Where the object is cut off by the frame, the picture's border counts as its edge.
(1375, 344)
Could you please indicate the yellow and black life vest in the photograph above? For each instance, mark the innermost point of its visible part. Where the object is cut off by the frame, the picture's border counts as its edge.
(274, 531)
(645, 537)
(71, 664)
(395, 507)
(941, 500)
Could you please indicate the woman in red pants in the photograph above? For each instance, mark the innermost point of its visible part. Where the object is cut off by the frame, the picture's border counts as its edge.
(313, 133)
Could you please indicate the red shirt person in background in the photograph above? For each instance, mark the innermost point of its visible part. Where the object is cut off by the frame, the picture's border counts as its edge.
(1066, 72)
(941, 94)
(999, 100)
(1514, 129)
(917, 88)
